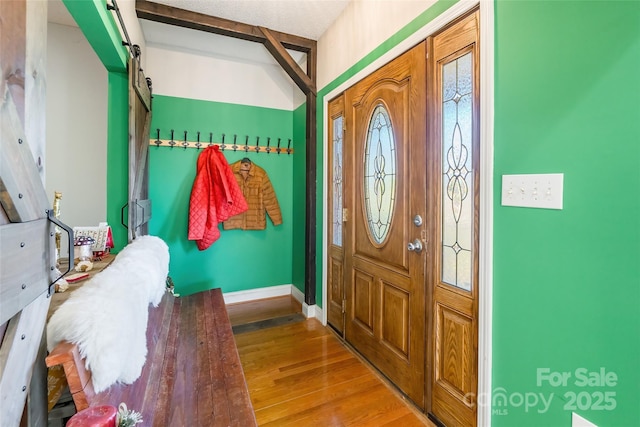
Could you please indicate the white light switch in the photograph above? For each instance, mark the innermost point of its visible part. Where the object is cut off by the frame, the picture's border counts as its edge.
(533, 191)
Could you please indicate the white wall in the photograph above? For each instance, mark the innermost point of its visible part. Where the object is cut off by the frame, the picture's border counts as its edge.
(76, 127)
(362, 27)
(223, 76)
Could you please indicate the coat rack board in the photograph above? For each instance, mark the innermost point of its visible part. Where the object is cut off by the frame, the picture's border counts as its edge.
(256, 146)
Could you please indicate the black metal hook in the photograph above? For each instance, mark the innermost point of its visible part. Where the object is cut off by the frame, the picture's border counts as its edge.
(185, 144)
(210, 139)
(235, 147)
(198, 145)
(278, 149)
(157, 141)
(257, 145)
(172, 142)
(289, 146)
(268, 149)
(222, 146)
(246, 144)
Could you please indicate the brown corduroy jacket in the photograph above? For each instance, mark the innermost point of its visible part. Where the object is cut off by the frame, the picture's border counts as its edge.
(260, 195)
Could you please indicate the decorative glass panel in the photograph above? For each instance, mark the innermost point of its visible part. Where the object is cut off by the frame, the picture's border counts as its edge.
(457, 179)
(380, 174)
(337, 181)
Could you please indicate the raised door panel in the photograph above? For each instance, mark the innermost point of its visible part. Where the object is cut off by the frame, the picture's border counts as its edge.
(453, 361)
(395, 319)
(363, 301)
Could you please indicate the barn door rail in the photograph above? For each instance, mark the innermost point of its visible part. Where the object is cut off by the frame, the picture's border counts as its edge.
(134, 50)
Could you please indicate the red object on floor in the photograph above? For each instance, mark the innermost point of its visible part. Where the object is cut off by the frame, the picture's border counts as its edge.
(95, 416)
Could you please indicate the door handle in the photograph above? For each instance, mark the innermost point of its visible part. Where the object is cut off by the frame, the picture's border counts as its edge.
(415, 246)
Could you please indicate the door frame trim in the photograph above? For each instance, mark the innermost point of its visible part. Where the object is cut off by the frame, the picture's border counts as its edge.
(487, 49)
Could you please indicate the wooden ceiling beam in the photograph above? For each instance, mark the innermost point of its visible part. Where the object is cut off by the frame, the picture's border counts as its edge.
(211, 24)
(287, 63)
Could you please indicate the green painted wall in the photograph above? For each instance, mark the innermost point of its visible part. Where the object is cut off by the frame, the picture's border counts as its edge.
(239, 260)
(567, 283)
(299, 196)
(117, 154)
(99, 27)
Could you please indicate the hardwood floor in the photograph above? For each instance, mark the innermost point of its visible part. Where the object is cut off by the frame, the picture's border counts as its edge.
(300, 374)
(269, 308)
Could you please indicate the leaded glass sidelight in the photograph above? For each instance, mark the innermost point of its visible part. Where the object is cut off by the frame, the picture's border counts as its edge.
(457, 179)
(337, 181)
(379, 174)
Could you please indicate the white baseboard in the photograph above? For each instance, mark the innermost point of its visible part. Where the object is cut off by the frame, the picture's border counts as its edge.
(274, 291)
(297, 294)
(260, 293)
(312, 311)
(308, 310)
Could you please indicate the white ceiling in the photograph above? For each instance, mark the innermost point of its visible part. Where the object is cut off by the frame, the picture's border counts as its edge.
(306, 18)
(177, 38)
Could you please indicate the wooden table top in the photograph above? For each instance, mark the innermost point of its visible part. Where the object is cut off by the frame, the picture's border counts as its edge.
(60, 297)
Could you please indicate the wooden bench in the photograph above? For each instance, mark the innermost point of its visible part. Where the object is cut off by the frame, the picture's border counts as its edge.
(192, 376)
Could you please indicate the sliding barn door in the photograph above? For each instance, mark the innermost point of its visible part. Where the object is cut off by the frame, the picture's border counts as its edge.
(454, 97)
(385, 198)
(27, 245)
(139, 124)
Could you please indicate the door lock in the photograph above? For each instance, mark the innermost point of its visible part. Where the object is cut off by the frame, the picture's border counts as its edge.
(417, 220)
(415, 246)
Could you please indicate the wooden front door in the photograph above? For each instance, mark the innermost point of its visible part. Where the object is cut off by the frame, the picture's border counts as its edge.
(384, 192)
(403, 210)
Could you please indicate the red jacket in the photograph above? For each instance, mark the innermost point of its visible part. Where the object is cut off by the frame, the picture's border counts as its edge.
(215, 197)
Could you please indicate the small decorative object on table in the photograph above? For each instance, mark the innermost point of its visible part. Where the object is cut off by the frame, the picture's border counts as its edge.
(103, 239)
(126, 417)
(83, 253)
(95, 416)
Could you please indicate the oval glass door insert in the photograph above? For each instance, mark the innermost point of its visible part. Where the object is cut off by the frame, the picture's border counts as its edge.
(379, 174)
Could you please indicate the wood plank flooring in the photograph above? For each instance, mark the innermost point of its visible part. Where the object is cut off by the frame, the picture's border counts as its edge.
(301, 374)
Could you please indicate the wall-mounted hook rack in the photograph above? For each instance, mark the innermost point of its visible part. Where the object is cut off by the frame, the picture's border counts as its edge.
(185, 143)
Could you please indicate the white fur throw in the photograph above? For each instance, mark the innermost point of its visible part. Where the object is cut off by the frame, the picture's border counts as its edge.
(107, 316)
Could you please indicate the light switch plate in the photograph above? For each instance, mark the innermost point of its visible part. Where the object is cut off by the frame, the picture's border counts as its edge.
(533, 190)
